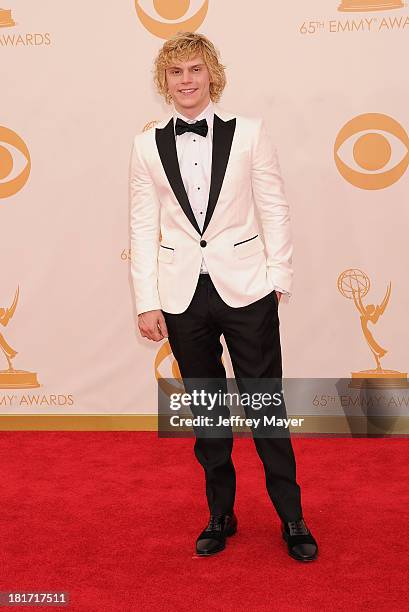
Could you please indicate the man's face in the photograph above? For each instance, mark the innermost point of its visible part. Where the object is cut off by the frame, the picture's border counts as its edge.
(188, 83)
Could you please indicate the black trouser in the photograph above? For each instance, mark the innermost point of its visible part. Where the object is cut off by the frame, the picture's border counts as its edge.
(253, 340)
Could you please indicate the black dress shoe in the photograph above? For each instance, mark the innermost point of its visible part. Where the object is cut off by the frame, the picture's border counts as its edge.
(213, 539)
(300, 541)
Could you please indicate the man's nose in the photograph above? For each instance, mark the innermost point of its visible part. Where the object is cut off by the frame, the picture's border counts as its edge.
(186, 78)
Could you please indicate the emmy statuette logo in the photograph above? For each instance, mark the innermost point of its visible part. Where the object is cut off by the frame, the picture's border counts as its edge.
(149, 125)
(359, 17)
(12, 378)
(6, 19)
(354, 285)
(18, 38)
(361, 6)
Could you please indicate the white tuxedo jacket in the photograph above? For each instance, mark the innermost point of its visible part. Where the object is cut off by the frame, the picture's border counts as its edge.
(246, 240)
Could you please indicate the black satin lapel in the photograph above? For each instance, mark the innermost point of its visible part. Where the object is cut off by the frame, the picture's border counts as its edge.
(223, 132)
(165, 141)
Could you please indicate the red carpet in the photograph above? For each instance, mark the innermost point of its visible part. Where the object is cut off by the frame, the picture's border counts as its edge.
(112, 517)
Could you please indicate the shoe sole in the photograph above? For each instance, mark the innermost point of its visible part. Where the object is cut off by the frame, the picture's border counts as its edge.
(297, 558)
(210, 554)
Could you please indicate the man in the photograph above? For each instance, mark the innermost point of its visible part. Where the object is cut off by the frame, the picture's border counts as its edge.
(204, 265)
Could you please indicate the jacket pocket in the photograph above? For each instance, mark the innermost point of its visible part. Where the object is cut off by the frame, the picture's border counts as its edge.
(165, 254)
(248, 247)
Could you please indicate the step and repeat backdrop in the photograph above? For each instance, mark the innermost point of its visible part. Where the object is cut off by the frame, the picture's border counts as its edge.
(328, 76)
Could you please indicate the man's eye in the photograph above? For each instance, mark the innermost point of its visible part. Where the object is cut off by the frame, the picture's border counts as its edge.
(178, 71)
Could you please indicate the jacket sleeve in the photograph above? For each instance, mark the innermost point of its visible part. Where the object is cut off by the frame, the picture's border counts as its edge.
(273, 209)
(144, 229)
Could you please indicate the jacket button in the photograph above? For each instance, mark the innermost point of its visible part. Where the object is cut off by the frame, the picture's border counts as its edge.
(203, 243)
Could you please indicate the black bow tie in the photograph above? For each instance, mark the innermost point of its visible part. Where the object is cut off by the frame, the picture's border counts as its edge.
(199, 127)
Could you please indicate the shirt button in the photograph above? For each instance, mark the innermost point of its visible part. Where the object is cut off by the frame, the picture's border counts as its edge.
(203, 243)
(198, 187)
(195, 163)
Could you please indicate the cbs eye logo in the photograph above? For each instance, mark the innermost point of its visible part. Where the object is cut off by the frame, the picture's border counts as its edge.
(164, 18)
(378, 157)
(15, 163)
(167, 371)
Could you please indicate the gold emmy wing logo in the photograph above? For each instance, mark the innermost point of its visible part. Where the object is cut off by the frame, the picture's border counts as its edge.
(167, 367)
(7, 163)
(354, 285)
(6, 20)
(362, 6)
(150, 125)
(11, 378)
(164, 18)
(372, 151)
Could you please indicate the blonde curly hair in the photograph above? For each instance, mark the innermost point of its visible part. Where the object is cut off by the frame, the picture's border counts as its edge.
(182, 47)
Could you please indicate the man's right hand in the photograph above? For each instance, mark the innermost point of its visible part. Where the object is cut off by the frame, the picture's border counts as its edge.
(152, 325)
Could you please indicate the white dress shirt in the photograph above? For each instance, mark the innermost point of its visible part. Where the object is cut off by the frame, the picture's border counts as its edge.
(195, 162)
